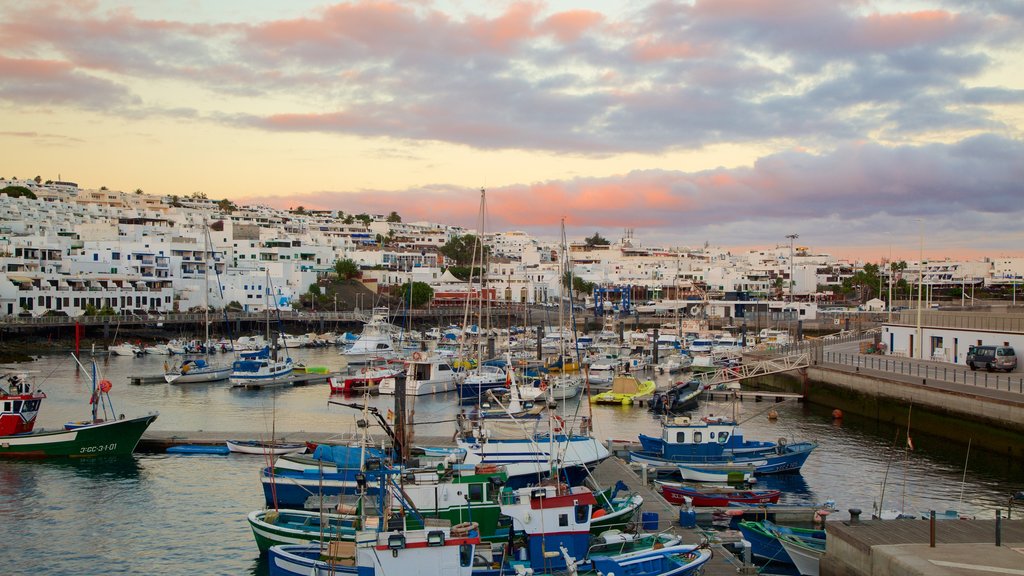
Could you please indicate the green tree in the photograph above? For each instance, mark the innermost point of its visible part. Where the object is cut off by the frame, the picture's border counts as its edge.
(394, 217)
(138, 190)
(346, 268)
(18, 192)
(421, 293)
(226, 206)
(104, 188)
(597, 240)
(199, 195)
(461, 250)
(38, 179)
(106, 311)
(90, 310)
(349, 219)
(364, 218)
(300, 210)
(464, 272)
(175, 201)
(580, 287)
(863, 282)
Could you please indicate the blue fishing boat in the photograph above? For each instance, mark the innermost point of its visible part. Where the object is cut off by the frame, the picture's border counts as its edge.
(764, 541)
(718, 441)
(681, 560)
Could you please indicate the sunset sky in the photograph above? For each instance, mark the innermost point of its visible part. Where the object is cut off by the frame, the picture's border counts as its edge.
(859, 125)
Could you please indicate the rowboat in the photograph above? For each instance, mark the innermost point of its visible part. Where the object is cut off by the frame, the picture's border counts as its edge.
(262, 447)
(719, 474)
(805, 553)
(681, 560)
(711, 496)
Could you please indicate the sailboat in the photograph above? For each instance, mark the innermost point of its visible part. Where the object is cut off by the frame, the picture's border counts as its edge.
(262, 367)
(200, 369)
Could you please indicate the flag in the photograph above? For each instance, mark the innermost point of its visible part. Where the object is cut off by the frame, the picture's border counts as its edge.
(910, 443)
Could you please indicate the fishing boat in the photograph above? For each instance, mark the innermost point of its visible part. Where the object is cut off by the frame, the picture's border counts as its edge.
(764, 541)
(712, 440)
(19, 404)
(106, 434)
(717, 474)
(282, 527)
(369, 376)
(535, 456)
(680, 560)
(424, 374)
(714, 496)
(265, 447)
(805, 553)
(625, 390)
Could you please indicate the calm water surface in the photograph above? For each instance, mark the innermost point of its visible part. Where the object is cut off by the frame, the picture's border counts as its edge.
(163, 514)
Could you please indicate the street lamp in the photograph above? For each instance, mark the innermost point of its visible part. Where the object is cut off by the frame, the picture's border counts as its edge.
(920, 287)
(791, 237)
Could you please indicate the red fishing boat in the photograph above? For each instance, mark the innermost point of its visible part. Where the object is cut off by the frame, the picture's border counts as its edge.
(368, 376)
(717, 496)
(19, 404)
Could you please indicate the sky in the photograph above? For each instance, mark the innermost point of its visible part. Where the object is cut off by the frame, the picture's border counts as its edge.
(868, 128)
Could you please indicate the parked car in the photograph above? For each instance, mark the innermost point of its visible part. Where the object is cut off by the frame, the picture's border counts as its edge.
(992, 358)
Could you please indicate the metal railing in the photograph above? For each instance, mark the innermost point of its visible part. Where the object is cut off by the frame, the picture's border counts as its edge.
(962, 320)
(918, 369)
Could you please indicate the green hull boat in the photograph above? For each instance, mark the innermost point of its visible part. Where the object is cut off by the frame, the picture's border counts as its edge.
(108, 438)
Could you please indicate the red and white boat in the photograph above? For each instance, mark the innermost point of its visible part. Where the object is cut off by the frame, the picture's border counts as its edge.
(716, 496)
(368, 376)
(19, 404)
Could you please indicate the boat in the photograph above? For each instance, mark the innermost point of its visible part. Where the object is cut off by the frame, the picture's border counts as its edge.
(260, 368)
(712, 440)
(19, 404)
(681, 397)
(625, 390)
(707, 496)
(281, 527)
(369, 376)
(106, 434)
(527, 459)
(717, 474)
(198, 449)
(804, 553)
(473, 386)
(424, 374)
(197, 370)
(765, 545)
(374, 342)
(126, 349)
(265, 447)
(680, 560)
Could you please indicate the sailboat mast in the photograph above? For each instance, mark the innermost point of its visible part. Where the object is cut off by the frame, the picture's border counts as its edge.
(206, 286)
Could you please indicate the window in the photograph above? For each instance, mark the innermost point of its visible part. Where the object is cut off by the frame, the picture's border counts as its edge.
(698, 437)
(563, 519)
(681, 437)
(476, 492)
(723, 437)
(466, 555)
(582, 513)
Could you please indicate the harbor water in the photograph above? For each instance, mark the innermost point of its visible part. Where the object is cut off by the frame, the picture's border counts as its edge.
(164, 514)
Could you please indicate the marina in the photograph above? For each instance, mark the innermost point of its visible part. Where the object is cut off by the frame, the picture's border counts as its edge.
(209, 414)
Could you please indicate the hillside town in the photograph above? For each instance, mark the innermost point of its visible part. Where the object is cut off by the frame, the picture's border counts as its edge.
(69, 251)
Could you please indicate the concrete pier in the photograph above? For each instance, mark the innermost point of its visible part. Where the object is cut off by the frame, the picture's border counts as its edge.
(901, 548)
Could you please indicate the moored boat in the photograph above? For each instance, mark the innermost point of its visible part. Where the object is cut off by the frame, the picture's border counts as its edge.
(19, 404)
(265, 447)
(625, 390)
(680, 560)
(805, 553)
(713, 496)
(104, 438)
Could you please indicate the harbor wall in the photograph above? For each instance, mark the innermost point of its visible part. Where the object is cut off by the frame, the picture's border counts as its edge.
(997, 425)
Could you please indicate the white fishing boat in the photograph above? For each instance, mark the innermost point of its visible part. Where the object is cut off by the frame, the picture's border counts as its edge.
(424, 374)
(805, 554)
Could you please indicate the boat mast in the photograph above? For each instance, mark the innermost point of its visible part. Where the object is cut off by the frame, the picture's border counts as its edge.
(206, 287)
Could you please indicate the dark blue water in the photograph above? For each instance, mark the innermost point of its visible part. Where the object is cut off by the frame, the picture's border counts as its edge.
(161, 514)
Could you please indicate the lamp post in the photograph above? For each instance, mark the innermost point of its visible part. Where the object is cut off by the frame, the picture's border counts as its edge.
(890, 281)
(791, 237)
(920, 286)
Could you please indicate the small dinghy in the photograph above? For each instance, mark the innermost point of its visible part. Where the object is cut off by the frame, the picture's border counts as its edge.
(261, 447)
(196, 449)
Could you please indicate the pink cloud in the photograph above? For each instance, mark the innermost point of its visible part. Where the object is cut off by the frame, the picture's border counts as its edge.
(506, 31)
(649, 49)
(569, 26)
(892, 31)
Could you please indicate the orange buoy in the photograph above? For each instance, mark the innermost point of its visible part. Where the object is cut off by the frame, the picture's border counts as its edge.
(837, 413)
(773, 415)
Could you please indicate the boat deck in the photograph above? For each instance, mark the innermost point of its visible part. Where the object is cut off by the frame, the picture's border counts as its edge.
(293, 379)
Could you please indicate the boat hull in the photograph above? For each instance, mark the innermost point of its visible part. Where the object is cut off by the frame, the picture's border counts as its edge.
(112, 438)
(197, 376)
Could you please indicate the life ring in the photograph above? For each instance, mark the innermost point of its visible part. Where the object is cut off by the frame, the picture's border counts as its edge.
(543, 385)
(417, 356)
(559, 423)
(694, 310)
